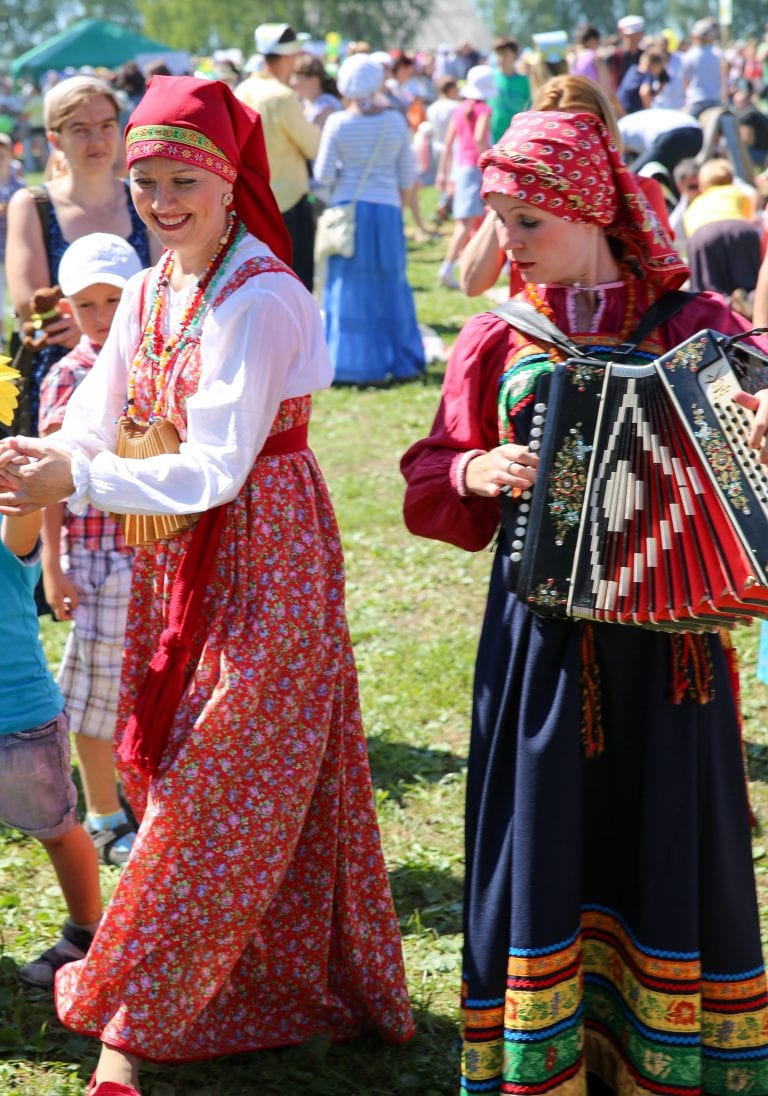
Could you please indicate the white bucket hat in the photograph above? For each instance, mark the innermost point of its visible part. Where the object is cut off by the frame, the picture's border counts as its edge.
(359, 76)
(480, 84)
(631, 24)
(267, 38)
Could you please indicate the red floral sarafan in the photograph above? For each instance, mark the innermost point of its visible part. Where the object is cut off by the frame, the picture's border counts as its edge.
(255, 910)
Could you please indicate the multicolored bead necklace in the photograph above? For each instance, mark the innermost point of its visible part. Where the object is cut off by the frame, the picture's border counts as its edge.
(532, 296)
(164, 352)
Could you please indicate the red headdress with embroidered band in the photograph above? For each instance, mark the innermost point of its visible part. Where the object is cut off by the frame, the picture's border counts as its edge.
(201, 123)
(568, 165)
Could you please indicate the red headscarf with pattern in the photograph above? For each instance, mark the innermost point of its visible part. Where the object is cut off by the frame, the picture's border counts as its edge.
(568, 165)
(201, 123)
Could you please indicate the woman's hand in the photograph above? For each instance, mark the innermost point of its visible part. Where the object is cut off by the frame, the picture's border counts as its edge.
(757, 435)
(9, 461)
(507, 466)
(33, 473)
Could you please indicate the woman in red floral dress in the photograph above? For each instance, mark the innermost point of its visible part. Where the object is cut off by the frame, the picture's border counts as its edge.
(255, 909)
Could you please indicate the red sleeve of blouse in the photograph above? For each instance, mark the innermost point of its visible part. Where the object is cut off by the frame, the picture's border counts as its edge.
(467, 418)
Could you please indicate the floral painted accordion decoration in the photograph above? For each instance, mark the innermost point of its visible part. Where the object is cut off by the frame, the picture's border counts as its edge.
(650, 508)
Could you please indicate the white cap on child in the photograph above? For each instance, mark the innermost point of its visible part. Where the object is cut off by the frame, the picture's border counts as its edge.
(98, 258)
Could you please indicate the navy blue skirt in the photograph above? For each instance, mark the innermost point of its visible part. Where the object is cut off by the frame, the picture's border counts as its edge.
(611, 921)
(370, 318)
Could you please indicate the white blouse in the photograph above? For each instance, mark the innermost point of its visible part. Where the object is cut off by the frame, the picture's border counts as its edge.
(263, 345)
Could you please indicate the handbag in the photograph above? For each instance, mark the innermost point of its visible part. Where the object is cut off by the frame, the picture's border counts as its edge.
(335, 230)
(139, 442)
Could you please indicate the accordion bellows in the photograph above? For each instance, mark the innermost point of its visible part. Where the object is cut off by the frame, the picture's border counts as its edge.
(138, 441)
(649, 508)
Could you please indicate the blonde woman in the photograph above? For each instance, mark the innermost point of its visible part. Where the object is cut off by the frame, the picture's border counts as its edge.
(82, 127)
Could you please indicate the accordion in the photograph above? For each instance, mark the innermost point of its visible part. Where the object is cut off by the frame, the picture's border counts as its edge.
(649, 507)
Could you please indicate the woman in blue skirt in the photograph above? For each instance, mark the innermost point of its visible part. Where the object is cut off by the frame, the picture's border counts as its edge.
(365, 156)
(612, 939)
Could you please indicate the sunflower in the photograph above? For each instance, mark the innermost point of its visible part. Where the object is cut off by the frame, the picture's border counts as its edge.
(9, 392)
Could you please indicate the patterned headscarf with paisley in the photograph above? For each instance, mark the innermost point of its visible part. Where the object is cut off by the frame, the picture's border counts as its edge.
(568, 165)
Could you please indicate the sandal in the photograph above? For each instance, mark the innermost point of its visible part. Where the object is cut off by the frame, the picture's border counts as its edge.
(41, 972)
(105, 841)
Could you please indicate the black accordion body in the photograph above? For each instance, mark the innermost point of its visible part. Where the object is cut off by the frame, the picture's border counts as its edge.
(649, 506)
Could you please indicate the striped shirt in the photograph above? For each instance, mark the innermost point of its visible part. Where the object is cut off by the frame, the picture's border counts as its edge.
(347, 145)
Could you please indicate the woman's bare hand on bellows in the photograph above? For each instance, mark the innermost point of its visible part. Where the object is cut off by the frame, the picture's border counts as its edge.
(507, 466)
(758, 436)
(33, 473)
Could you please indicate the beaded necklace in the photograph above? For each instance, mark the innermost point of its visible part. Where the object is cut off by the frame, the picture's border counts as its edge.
(163, 352)
(532, 296)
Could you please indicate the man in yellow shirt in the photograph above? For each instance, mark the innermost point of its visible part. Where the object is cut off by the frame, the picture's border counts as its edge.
(291, 140)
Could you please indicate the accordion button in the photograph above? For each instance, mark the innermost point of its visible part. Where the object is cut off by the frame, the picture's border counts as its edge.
(526, 495)
(517, 545)
(540, 407)
(524, 507)
(515, 557)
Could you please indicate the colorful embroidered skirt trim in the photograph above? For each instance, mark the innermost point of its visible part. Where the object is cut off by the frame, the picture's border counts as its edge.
(646, 1021)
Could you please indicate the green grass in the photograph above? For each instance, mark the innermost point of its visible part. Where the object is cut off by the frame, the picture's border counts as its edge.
(414, 610)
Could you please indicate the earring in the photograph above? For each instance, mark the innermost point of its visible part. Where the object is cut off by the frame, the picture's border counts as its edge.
(227, 199)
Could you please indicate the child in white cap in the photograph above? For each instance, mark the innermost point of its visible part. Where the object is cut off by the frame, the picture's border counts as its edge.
(86, 565)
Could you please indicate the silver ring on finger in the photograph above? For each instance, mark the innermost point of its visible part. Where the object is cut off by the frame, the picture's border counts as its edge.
(510, 465)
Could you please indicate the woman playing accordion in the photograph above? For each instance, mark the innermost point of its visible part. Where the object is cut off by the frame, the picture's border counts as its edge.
(612, 940)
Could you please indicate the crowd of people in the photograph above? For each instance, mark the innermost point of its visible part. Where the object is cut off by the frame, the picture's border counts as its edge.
(167, 282)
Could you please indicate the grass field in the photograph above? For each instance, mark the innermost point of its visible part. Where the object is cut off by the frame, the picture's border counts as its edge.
(414, 609)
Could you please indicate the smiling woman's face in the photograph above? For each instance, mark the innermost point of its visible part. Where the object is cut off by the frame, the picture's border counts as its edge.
(181, 204)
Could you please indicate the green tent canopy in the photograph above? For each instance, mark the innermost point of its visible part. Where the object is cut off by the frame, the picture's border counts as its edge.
(87, 42)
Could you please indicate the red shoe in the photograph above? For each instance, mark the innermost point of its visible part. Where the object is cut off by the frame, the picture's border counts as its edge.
(109, 1088)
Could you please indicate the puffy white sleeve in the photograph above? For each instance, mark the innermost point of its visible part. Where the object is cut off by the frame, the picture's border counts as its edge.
(264, 344)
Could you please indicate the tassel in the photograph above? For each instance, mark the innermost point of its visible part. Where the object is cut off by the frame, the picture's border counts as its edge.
(146, 732)
(156, 704)
(732, 664)
(691, 673)
(592, 732)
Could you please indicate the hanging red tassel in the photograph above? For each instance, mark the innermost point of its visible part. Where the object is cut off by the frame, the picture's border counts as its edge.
(146, 732)
(691, 674)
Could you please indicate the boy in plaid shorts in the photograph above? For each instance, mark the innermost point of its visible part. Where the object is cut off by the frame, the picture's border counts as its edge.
(37, 795)
(86, 565)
